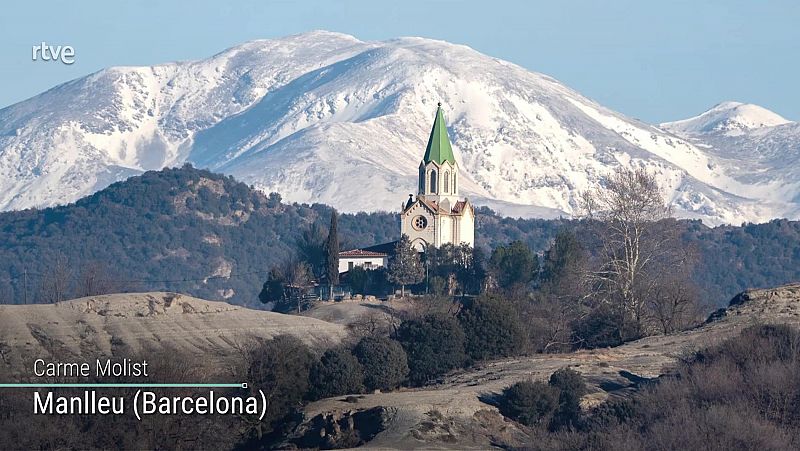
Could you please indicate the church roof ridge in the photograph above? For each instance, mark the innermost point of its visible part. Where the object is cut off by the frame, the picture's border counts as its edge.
(439, 149)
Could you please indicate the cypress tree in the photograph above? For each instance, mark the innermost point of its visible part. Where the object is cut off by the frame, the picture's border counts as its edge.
(332, 253)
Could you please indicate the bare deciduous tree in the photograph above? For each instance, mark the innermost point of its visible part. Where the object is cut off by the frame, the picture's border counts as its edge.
(94, 279)
(56, 281)
(639, 244)
(673, 304)
(299, 279)
(422, 306)
(372, 324)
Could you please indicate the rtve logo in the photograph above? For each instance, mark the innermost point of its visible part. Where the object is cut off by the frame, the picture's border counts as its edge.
(47, 52)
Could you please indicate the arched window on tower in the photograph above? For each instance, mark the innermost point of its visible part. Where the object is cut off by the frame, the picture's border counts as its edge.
(433, 182)
(446, 182)
(455, 190)
(421, 189)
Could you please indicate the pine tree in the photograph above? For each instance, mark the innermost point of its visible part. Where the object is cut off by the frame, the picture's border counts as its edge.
(406, 267)
(332, 253)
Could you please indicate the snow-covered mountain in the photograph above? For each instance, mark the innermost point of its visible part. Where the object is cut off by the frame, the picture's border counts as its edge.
(325, 117)
(756, 146)
(728, 118)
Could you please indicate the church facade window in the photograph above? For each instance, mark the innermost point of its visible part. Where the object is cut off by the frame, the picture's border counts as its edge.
(433, 182)
(446, 182)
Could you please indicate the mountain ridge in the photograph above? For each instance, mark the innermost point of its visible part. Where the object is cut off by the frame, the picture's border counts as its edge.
(729, 117)
(763, 145)
(325, 117)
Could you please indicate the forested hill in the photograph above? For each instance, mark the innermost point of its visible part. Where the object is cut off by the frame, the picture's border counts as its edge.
(183, 229)
(735, 258)
(205, 234)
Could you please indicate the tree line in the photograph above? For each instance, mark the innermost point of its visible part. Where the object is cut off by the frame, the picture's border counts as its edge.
(173, 229)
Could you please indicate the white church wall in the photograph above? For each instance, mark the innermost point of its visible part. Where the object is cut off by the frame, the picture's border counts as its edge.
(445, 231)
(467, 228)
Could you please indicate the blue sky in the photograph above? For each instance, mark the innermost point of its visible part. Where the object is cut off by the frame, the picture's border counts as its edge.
(654, 60)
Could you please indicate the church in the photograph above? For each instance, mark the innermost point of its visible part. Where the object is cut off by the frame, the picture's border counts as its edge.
(437, 215)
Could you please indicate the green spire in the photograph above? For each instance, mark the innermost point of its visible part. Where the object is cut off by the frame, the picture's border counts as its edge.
(439, 149)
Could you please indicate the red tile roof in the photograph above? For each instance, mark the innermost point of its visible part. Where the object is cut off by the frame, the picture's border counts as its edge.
(430, 204)
(361, 253)
(457, 209)
(459, 206)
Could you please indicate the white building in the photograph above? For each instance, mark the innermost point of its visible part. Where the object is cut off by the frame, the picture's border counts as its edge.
(437, 216)
(363, 258)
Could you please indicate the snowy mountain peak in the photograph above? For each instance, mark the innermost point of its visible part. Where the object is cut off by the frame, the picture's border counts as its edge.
(728, 117)
(325, 117)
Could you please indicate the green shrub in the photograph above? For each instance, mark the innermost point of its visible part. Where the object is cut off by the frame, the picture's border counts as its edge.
(556, 404)
(384, 361)
(571, 387)
(568, 380)
(529, 402)
(337, 372)
(492, 328)
(280, 367)
(434, 345)
(598, 329)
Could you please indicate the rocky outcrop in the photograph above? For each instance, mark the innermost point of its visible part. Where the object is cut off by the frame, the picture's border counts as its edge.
(342, 428)
(786, 295)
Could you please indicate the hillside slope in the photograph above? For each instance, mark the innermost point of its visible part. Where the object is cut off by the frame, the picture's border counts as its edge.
(124, 325)
(182, 230)
(454, 414)
(325, 117)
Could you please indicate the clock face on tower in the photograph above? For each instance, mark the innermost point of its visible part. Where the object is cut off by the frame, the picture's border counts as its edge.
(419, 222)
